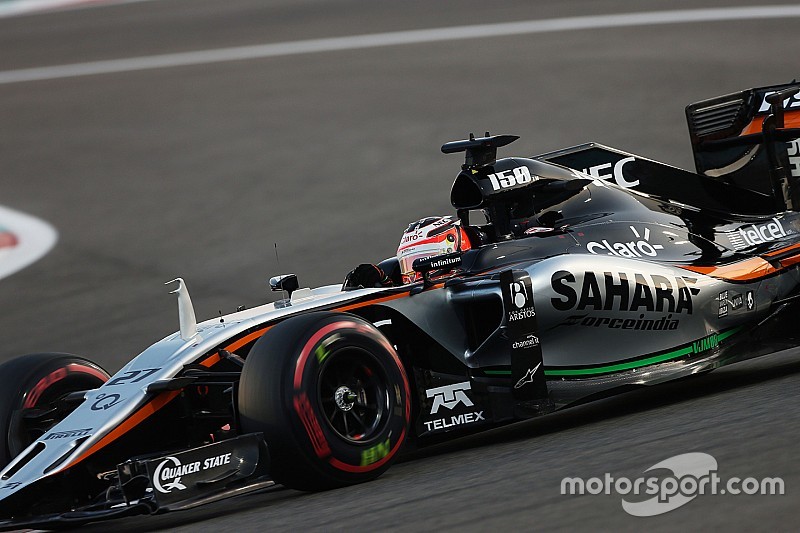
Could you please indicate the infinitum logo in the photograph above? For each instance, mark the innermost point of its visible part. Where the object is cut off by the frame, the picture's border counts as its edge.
(690, 475)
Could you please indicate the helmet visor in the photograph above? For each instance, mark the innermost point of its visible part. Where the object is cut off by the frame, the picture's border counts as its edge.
(440, 244)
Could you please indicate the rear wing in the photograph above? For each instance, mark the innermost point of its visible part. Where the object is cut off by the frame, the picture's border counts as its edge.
(658, 179)
(750, 139)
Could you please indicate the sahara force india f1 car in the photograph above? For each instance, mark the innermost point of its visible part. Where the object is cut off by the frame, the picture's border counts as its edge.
(595, 272)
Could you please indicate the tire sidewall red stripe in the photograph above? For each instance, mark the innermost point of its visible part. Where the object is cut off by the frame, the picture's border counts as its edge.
(299, 389)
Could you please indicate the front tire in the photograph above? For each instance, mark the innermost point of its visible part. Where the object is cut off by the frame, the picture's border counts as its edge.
(30, 389)
(331, 397)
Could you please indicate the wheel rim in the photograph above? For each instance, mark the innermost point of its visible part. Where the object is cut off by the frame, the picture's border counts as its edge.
(354, 395)
(31, 422)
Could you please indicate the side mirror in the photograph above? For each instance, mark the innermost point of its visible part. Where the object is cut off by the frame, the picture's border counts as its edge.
(286, 282)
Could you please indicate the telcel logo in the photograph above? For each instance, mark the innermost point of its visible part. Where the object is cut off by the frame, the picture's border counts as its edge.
(757, 234)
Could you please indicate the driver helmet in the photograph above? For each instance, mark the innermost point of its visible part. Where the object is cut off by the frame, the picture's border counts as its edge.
(429, 237)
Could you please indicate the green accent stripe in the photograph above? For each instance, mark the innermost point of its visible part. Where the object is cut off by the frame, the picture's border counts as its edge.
(673, 354)
(722, 336)
(622, 366)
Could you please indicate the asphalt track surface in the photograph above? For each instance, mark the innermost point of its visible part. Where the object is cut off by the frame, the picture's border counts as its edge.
(197, 171)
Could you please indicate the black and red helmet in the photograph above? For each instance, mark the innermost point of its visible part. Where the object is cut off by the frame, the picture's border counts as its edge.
(429, 237)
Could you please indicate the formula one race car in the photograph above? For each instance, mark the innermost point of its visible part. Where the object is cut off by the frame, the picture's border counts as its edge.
(595, 271)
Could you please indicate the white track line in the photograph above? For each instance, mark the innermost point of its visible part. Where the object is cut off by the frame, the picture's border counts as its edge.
(11, 8)
(359, 42)
(36, 238)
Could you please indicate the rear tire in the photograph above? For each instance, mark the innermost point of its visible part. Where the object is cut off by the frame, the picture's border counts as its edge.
(331, 397)
(30, 387)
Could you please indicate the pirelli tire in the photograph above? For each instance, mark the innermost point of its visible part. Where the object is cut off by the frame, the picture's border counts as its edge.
(31, 389)
(331, 397)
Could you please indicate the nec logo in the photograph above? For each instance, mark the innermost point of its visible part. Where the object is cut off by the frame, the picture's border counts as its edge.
(617, 172)
(510, 178)
(449, 396)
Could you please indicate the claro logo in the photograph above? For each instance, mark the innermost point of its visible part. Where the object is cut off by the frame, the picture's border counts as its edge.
(641, 247)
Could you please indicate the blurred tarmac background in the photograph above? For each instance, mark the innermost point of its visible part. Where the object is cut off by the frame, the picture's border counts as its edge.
(197, 171)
